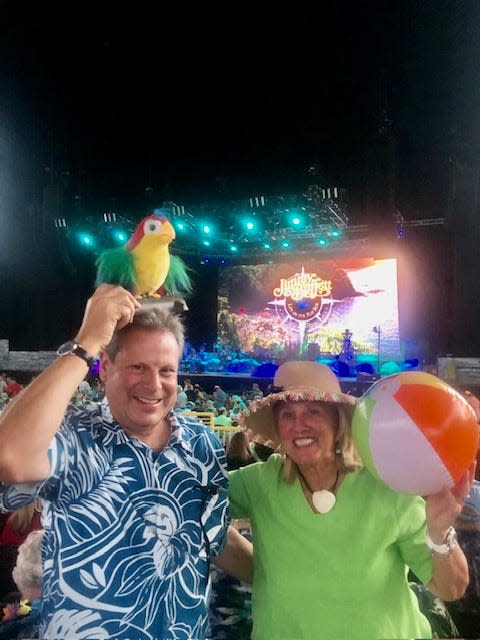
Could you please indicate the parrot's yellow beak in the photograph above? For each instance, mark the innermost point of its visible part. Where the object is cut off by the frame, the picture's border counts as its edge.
(168, 232)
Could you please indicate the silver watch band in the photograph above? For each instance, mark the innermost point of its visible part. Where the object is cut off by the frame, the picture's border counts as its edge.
(445, 548)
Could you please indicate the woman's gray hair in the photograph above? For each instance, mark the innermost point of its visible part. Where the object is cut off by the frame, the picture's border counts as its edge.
(347, 458)
(28, 571)
(151, 318)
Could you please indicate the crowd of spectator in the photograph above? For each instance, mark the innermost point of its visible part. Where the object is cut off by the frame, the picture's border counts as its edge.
(226, 407)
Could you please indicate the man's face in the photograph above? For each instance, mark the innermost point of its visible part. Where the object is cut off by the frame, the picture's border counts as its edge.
(141, 383)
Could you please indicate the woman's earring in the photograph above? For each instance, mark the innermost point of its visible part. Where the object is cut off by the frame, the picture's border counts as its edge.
(338, 451)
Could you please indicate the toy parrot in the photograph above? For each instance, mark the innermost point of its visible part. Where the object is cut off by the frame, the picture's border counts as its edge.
(144, 264)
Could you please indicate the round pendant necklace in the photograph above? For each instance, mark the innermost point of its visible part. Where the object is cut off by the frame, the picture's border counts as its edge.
(323, 500)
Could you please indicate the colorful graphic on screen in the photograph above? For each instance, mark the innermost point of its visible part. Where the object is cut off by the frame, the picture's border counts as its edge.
(321, 307)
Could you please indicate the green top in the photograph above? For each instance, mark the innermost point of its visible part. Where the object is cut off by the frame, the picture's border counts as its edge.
(337, 575)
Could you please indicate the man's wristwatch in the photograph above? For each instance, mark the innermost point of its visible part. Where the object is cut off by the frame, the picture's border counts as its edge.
(73, 347)
(447, 547)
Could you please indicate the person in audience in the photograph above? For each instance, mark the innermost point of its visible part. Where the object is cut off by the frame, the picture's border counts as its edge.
(85, 388)
(21, 522)
(332, 544)
(238, 451)
(13, 387)
(222, 419)
(219, 396)
(182, 399)
(199, 393)
(28, 569)
(18, 525)
(134, 495)
(189, 390)
(189, 407)
(209, 406)
(473, 401)
(238, 405)
(98, 391)
(199, 405)
(21, 617)
(256, 392)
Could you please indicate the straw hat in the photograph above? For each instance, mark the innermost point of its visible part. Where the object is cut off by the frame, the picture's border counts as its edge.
(297, 381)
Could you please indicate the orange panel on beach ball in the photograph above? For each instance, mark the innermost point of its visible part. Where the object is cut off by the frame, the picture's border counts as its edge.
(445, 419)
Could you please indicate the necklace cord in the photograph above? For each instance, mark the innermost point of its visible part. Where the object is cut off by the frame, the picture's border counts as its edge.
(332, 488)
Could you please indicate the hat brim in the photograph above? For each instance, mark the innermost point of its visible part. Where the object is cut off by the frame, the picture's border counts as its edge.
(260, 419)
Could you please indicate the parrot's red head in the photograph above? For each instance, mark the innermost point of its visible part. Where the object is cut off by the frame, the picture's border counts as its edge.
(152, 225)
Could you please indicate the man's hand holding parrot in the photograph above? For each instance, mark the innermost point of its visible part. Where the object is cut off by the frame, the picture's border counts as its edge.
(109, 308)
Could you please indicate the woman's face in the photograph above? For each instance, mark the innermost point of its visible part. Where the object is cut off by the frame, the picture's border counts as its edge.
(307, 431)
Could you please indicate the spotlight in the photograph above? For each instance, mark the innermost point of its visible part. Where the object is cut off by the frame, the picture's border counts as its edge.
(120, 236)
(86, 240)
(180, 225)
(296, 221)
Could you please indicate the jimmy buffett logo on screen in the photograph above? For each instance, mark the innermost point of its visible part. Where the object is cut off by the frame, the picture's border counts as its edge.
(303, 297)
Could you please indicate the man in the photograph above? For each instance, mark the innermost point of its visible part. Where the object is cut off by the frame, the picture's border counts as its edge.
(219, 397)
(134, 495)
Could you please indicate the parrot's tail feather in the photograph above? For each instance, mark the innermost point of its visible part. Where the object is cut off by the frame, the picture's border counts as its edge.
(178, 280)
(116, 266)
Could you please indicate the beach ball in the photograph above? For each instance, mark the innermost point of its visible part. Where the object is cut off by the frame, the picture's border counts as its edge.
(415, 433)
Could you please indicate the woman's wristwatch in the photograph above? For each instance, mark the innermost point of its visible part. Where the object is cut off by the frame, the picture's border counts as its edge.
(447, 547)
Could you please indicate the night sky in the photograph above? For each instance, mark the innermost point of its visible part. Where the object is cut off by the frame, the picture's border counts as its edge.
(128, 107)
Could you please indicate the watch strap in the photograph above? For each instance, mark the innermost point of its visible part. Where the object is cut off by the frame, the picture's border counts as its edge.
(442, 549)
(76, 349)
(84, 355)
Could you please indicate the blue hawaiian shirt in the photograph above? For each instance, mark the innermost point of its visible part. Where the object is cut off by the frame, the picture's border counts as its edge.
(128, 531)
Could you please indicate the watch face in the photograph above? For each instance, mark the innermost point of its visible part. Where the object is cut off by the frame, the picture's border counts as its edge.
(66, 347)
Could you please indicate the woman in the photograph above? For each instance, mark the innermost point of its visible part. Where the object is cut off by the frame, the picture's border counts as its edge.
(18, 526)
(21, 522)
(21, 618)
(238, 451)
(332, 545)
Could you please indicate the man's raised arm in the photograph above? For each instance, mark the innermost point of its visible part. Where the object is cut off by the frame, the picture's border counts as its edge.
(30, 421)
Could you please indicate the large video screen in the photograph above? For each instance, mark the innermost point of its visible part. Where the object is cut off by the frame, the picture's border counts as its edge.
(270, 311)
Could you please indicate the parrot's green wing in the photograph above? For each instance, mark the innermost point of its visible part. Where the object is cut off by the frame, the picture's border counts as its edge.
(116, 266)
(178, 280)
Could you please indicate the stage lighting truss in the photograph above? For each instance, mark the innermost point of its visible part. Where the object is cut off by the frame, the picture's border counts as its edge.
(262, 224)
(254, 227)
